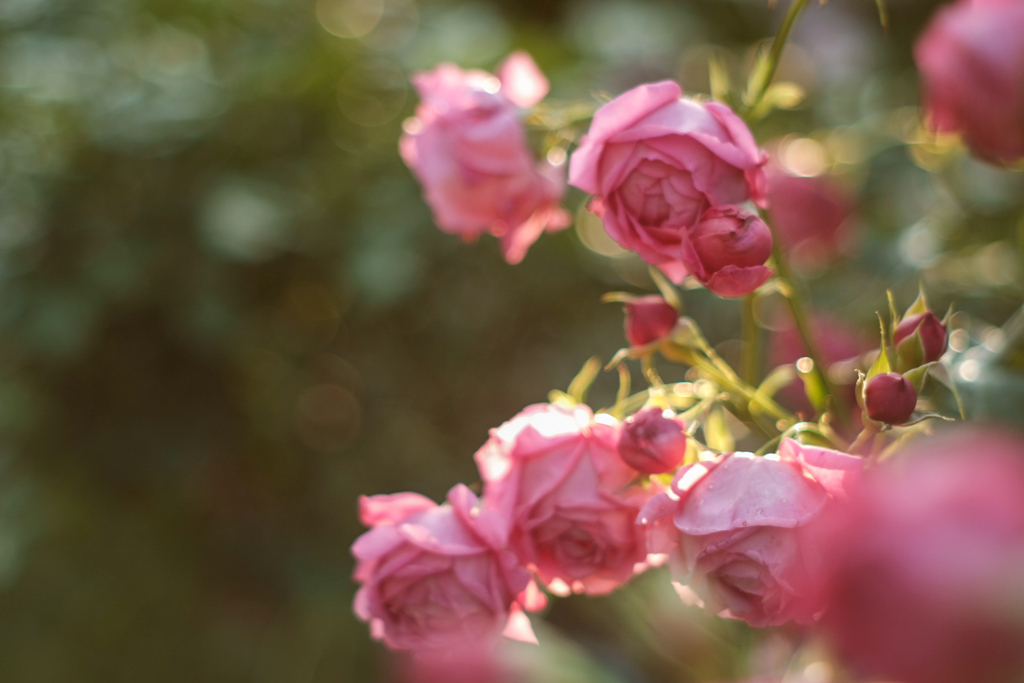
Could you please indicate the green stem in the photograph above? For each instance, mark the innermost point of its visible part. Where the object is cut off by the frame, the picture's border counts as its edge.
(803, 326)
(775, 52)
(751, 341)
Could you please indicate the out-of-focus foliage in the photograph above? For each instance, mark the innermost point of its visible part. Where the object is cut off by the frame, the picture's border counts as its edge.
(225, 313)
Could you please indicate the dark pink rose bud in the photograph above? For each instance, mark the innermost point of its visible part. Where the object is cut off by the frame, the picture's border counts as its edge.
(971, 59)
(652, 442)
(889, 398)
(648, 319)
(931, 331)
(730, 246)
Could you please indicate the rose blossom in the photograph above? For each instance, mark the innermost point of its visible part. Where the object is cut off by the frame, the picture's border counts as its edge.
(811, 217)
(468, 148)
(655, 162)
(924, 570)
(555, 475)
(434, 577)
(735, 528)
(971, 58)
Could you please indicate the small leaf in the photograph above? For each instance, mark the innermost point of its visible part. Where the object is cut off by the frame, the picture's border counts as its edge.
(580, 384)
(758, 76)
(667, 289)
(894, 318)
(716, 431)
(718, 77)
(920, 304)
(917, 376)
(625, 382)
(927, 416)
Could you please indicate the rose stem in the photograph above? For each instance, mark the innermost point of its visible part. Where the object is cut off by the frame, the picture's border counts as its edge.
(775, 52)
(751, 341)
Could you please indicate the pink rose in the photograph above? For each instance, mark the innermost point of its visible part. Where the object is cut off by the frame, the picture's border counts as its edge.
(468, 148)
(555, 475)
(655, 162)
(434, 577)
(811, 218)
(735, 528)
(924, 570)
(653, 441)
(971, 58)
(729, 248)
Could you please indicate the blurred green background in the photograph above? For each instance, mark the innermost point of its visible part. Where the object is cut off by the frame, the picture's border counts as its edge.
(225, 312)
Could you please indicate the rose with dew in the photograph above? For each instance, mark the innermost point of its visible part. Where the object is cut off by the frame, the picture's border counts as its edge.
(554, 474)
(971, 59)
(435, 577)
(736, 529)
(656, 161)
(468, 148)
(924, 569)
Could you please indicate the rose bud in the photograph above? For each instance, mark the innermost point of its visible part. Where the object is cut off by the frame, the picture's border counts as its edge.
(730, 245)
(655, 160)
(931, 332)
(653, 441)
(971, 59)
(648, 319)
(889, 398)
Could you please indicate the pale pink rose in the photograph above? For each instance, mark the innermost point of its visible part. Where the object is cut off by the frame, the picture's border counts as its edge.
(468, 148)
(971, 58)
(435, 578)
(729, 248)
(811, 218)
(555, 475)
(656, 161)
(924, 570)
(736, 529)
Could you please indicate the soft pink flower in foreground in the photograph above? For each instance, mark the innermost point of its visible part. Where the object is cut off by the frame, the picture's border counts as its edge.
(730, 246)
(810, 216)
(435, 578)
(736, 529)
(656, 161)
(468, 148)
(555, 475)
(971, 59)
(924, 571)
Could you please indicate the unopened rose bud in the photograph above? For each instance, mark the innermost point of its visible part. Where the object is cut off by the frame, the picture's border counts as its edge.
(889, 398)
(931, 331)
(652, 443)
(648, 319)
(731, 246)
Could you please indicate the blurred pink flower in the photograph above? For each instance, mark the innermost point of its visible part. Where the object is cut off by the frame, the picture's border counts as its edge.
(971, 59)
(735, 528)
(653, 441)
(554, 474)
(810, 217)
(649, 319)
(924, 571)
(468, 148)
(434, 578)
(655, 162)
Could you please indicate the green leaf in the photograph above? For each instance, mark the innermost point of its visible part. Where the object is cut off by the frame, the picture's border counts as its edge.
(916, 376)
(920, 304)
(718, 77)
(758, 76)
(776, 379)
(814, 388)
(580, 384)
(884, 363)
(716, 431)
(667, 289)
